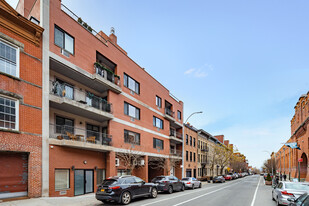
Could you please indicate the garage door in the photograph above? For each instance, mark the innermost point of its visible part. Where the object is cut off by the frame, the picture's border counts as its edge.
(13, 174)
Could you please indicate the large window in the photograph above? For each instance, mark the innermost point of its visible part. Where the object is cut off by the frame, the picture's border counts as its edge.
(62, 179)
(132, 137)
(190, 140)
(64, 40)
(187, 155)
(131, 111)
(8, 113)
(190, 156)
(157, 122)
(179, 114)
(158, 143)
(9, 59)
(64, 125)
(193, 142)
(131, 83)
(158, 101)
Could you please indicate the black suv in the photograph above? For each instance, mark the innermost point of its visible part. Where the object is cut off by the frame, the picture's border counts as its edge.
(125, 188)
(168, 184)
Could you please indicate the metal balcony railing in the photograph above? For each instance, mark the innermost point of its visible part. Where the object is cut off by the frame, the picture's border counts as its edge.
(77, 134)
(176, 152)
(67, 91)
(204, 149)
(169, 112)
(106, 74)
(173, 133)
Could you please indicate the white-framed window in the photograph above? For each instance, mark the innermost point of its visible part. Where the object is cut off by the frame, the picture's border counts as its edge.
(132, 137)
(9, 113)
(157, 122)
(62, 179)
(131, 111)
(158, 101)
(130, 83)
(64, 40)
(9, 59)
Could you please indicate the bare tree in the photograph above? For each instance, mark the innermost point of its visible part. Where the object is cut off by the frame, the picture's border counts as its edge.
(270, 165)
(238, 164)
(161, 163)
(223, 156)
(130, 158)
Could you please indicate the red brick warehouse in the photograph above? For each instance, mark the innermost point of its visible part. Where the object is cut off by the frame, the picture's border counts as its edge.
(20, 105)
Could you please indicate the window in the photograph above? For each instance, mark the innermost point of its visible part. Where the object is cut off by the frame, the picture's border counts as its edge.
(123, 172)
(131, 83)
(187, 139)
(64, 40)
(187, 156)
(190, 141)
(158, 143)
(179, 114)
(100, 176)
(190, 156)
(157, 122)
(138, 180)
(193, 142)
(194, 157)
(131, 111)
(9, 59)
(62, 179)
(93, 130)
(198, 144)
(8, 113)
(158, 102)
(64, 125)
(132, 137)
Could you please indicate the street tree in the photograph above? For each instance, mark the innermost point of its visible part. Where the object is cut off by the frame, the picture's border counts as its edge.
(129, 157)
(223, 156)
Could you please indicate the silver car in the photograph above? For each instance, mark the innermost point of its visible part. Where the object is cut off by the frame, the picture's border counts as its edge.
(191, 182)
(285, 190)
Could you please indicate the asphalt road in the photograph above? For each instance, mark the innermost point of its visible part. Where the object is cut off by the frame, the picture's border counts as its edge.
(248, 191)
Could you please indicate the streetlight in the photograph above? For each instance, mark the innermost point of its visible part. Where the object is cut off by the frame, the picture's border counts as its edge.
(271, 162)
(183, 145)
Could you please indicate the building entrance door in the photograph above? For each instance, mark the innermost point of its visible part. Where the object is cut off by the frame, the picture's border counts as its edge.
(83, 182)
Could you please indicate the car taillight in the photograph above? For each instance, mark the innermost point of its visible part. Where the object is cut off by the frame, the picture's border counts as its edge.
(114, 188)
(165, 181)
(188, 183)
(286, 193)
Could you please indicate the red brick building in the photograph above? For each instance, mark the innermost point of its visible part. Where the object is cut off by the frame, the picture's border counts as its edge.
(190, 154)
(287, 158)
(98, 105)
(20, 105)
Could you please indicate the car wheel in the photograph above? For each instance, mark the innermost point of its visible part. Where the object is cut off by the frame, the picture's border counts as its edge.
(277, 202)
(154, 192)
(193, 186)
(272, 196)
(200, 186)
(104, 201)
(182, 188)
(125, 198)
(170, 189)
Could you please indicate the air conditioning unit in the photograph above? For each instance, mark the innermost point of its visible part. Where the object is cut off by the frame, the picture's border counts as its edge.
(142, 162)
(117, 162)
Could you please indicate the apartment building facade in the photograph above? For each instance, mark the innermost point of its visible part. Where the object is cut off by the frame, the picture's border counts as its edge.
(190, 154)
(20, 105)
(294, 162)
(98, 105)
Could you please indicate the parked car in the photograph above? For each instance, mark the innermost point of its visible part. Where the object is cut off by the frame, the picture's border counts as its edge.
(191, 182)
(228, 177)
(218, 179)
(168, 184)
(125, 188)
(301, 200)
(285, 190)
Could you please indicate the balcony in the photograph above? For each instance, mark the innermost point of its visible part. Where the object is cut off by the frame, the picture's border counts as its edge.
(76, 101)
(98, 80)
(169, 115)
(176, 136)
(176, 152)
(69, 136)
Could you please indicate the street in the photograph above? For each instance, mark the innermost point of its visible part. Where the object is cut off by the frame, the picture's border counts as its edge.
(248, 191)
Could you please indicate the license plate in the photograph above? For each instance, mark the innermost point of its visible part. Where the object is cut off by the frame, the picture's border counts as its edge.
(102, 190)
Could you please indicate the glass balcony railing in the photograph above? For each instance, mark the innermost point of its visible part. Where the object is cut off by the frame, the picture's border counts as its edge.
(169, 112)
(67, 132)
(65, 90)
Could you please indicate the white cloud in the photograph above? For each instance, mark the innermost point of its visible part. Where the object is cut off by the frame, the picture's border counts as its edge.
(199, 72)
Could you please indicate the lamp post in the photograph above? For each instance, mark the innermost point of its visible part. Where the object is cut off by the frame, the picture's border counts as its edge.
(183, 142)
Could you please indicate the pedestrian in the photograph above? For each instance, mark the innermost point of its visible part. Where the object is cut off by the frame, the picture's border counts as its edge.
(284, 177)
(280, 176)
(277, 179)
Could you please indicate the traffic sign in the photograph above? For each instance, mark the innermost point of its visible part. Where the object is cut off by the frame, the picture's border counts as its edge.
(300, 160)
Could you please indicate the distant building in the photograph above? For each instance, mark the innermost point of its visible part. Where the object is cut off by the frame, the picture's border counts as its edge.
(190, 151)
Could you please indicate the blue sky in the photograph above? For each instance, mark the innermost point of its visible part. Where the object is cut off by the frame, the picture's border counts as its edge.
(243, 63)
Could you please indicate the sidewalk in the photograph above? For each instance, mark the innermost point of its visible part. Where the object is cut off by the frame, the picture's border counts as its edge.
(84, 200)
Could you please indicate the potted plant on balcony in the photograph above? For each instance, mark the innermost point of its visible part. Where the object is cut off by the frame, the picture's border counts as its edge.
(268, 180)
(79, 20)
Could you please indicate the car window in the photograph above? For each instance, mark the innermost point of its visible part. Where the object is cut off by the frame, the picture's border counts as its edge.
(186, 179)
(129, 180)
(109, 182)
(171, 178)
(306, 202)
(296, 186)
(301, 199)
(193, 179)
(158, 179)
(280, 186)
(138, 180)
